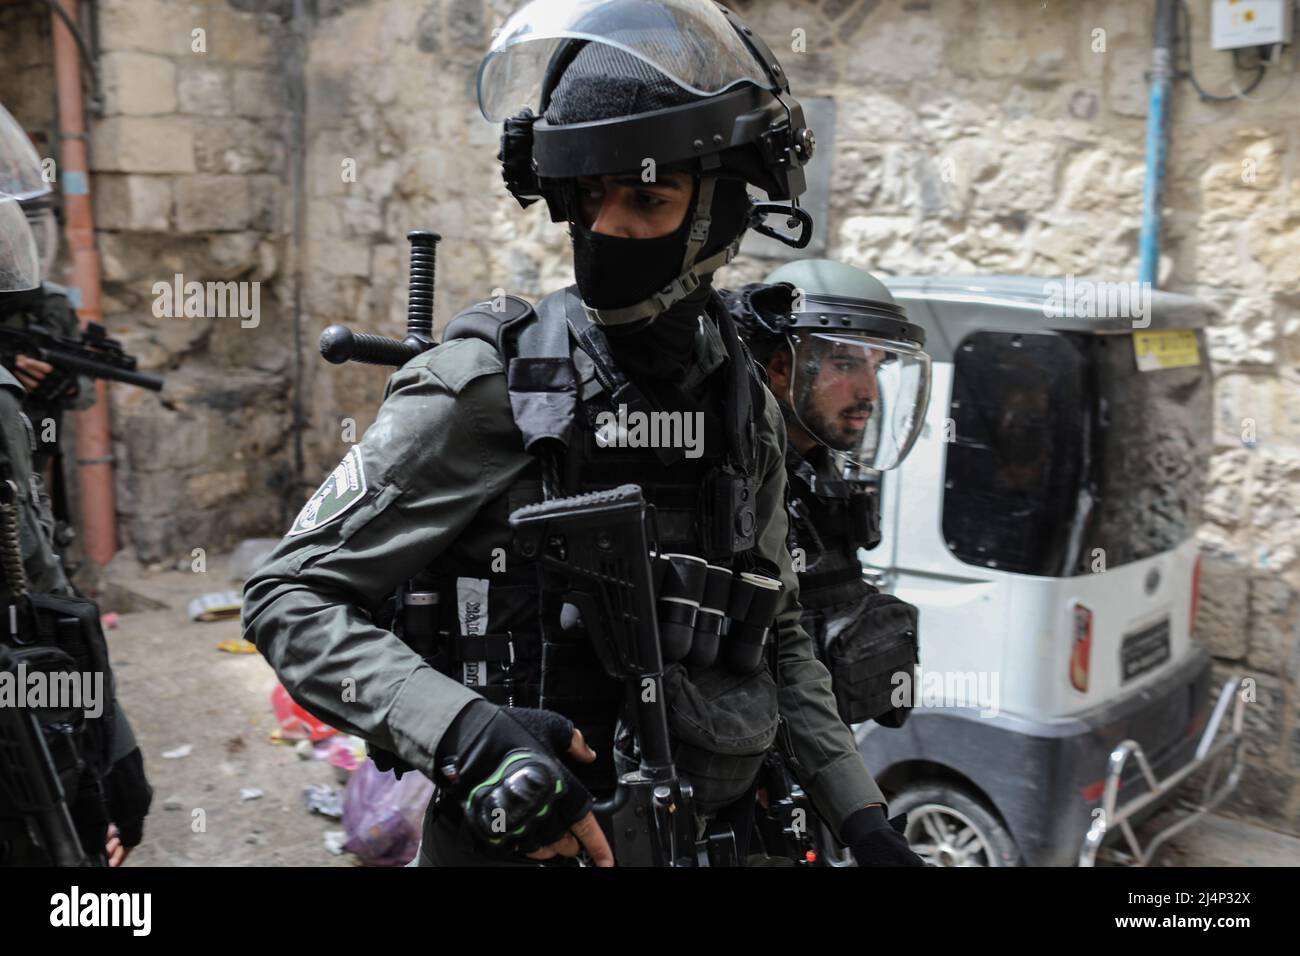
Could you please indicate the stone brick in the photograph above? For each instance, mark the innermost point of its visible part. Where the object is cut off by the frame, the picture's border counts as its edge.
(872, 117)
(1274, 624)
(894, 52)
(340, 257)
(133, 203)
(212, 203)
(258, 93)
(234, 37)
(232, 254)
(465, 24)
(153, 26)
(138, 84)
(237, 146)
(204, 89)
(1223, 614)
(1248, 335)
(133, 144)
(1274, 518)
(1262, 796)
(267, 194)
(1127, 64)
(428, 37)
(1275, 242)
(1103, 180)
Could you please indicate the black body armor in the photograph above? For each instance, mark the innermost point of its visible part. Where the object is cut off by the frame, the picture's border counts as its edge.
(865, 638)
(482, 620)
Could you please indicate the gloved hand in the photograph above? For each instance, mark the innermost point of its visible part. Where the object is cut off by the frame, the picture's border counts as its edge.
(128, 795)
(501, 764)
(876, 841)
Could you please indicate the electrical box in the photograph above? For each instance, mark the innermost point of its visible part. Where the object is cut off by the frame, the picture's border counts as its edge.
(1247, 23)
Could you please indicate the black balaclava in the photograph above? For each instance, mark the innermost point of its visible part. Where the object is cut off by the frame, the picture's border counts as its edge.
(604, 82)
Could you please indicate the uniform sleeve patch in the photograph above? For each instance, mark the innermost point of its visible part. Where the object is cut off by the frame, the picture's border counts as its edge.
(345, 486)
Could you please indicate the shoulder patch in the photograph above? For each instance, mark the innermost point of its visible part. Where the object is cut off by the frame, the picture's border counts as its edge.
(345, 486)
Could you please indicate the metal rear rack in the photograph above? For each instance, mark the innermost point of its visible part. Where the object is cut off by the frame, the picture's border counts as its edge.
(1213, 747)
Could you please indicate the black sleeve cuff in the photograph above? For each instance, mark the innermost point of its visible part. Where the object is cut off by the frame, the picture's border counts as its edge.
(860, 823)
(128, 797)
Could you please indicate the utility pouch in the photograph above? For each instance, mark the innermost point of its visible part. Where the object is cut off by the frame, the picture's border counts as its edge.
(871, 650)
(728, 512)
(864, 518)
(722, 725)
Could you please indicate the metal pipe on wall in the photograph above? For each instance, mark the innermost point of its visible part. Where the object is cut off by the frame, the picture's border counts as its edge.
(94, 442)
(1162, 75)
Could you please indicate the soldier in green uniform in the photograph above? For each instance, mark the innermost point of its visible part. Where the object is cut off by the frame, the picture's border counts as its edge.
(111, 803)
(852, 380)
(651, 119)
(47, 392)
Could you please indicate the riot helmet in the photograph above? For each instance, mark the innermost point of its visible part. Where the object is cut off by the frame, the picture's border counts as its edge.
(646, 88)
(850, 369)
(26, 191)
(20, 184)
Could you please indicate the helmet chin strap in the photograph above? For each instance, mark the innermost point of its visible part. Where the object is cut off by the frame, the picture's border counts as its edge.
(689, 278)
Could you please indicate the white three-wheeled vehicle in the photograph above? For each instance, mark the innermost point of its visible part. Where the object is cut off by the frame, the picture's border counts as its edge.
(1044, 524)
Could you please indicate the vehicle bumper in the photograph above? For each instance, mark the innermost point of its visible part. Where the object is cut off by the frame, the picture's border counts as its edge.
(1046, 778)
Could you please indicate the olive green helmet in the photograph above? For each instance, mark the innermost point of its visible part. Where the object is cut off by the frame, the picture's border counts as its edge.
(857, 378)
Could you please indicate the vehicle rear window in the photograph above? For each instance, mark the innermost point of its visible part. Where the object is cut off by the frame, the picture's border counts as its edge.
(1063, 451)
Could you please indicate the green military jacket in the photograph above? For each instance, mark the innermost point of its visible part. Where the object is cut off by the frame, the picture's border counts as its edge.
(444, 445)
(44, 570)
(45, 574)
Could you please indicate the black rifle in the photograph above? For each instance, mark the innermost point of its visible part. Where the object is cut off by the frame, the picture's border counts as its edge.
(593, 550)
(30, 787)
(92, 354)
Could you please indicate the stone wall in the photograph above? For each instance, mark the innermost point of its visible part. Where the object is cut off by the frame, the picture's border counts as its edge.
(189, 165)
(999, 136)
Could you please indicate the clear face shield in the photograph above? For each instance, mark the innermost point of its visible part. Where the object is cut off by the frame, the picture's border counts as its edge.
(689, 41)
(20, 166)
(28, 231)
(864, 398)
(20, 261)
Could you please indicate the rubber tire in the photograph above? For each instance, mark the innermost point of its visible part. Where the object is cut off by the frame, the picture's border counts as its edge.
(987, 823)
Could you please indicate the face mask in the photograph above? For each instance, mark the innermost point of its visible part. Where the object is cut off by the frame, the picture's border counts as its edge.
(614, 271)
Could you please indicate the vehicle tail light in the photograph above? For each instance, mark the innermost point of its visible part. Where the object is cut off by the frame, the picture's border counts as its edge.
(1081, 649)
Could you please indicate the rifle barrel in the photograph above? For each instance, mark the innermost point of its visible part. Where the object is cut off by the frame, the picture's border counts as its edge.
(84, 366)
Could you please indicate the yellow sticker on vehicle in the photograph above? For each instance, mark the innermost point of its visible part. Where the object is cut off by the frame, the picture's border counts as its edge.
(1166, 348)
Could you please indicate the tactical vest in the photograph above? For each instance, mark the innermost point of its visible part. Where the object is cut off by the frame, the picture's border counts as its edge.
(865, 638)
(830, 518)
(494, 631)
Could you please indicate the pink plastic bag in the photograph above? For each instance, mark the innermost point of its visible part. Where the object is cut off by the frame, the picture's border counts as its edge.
(383, 816)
